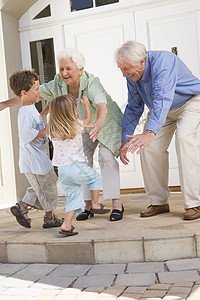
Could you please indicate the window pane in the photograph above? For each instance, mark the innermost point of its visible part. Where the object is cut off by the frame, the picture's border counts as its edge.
(46, 12)
(43, 61)
(104, 2)
(81, 4)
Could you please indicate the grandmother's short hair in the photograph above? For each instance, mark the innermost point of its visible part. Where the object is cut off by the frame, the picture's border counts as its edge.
(76, 56)
(131, 52)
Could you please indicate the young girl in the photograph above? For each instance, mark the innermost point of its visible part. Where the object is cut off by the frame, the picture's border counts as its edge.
(66, 129)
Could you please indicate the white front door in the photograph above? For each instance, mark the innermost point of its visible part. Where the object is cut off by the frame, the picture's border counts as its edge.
(98, 39)
(163, 28)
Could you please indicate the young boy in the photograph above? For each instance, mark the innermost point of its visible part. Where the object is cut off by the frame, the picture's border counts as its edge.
(33, 159)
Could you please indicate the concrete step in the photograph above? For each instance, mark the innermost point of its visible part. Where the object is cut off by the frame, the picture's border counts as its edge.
(133, 239)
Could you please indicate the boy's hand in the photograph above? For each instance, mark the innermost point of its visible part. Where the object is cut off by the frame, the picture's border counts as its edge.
(85, 101)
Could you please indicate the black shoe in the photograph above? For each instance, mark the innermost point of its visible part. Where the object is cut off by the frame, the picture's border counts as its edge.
(117, 214)
(84, 215)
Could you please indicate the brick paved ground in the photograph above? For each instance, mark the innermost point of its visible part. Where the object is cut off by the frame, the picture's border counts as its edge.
(170, 280)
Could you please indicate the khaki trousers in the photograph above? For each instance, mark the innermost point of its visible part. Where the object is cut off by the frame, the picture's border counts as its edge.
(109, 169)
(184, 121)
(43, 191)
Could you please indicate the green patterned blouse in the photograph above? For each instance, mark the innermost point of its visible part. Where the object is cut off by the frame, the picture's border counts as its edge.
(90, 86)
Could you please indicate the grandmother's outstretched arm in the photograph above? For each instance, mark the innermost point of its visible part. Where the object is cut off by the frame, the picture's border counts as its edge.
(101, 109)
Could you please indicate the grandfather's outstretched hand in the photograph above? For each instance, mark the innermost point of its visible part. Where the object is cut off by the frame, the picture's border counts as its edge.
(139, 141)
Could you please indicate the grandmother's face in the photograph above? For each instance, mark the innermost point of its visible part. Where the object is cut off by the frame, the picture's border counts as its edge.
(68, 71)
(134, 72)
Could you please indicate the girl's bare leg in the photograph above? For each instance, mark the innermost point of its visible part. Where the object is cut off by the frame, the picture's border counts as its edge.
(67, 224)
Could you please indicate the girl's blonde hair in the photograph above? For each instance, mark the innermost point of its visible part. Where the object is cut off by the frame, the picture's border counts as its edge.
(63, 122)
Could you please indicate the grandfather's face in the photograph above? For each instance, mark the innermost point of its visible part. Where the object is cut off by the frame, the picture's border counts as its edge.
(134, 72)
(68, 71)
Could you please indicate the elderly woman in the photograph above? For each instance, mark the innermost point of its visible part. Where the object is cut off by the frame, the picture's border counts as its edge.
(106, 117)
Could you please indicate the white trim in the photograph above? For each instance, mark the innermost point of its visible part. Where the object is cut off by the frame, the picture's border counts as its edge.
(61, 12)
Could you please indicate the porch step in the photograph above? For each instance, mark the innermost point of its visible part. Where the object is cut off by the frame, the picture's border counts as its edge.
(133, 239)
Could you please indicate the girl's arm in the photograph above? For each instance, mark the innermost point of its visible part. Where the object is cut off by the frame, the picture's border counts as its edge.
(41, 133)
(85, 103)
(45, 111)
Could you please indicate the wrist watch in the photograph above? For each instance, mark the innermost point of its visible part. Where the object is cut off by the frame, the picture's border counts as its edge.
(149, 130)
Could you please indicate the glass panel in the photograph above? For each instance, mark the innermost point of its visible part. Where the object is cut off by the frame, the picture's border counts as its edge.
(80, 4)
(43, 61)
(46, 12)
(104, 2)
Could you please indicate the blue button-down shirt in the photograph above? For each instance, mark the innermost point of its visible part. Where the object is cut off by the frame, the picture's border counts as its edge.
(167, 83)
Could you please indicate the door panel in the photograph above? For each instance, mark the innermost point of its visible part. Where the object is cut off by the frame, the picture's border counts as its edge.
(159, 29)
(97, 40)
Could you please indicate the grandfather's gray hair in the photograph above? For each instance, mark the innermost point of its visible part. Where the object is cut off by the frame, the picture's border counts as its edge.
(76, 56)
(131, 52)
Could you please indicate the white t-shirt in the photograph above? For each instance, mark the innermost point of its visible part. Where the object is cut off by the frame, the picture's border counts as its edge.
(68, 151)
(32, 154)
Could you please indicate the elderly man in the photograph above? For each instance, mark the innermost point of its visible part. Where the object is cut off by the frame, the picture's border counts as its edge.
(162, 81)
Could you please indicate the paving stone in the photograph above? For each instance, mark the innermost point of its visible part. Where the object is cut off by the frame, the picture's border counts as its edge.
(15, 282)
(118, 252)
(179, 290)
(113, 290)
(107, 269)
(187, 284)
(70, 252)
(135, 279)
(59, 297)
(162, 249)
(105, 296)
(71, 291)
(94, 280)
(183, 276)
(195, 287)
(135, 290)
(2, 289)
(154, 294)
(183, 264)
(8, 297)
(3, 252)
(98, 289)
(195, 293)
(177, 297)
(21, 291)
(54, 282)
(150, 298)
(49, 293)
(34, 272)
(26, 253)
(145, 267)
(131, 296)
(86, 296)
(159, 286)
(9, 269)
(70, 270)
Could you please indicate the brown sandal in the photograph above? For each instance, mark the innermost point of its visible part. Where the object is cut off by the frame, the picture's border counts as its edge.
(19, 210)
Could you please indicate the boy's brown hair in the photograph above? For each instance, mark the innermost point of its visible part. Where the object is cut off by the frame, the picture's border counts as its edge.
(22, 80)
